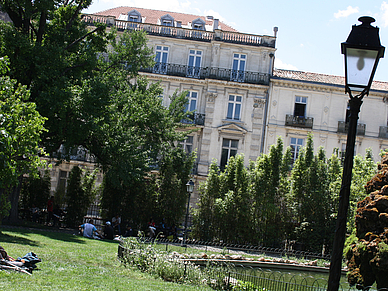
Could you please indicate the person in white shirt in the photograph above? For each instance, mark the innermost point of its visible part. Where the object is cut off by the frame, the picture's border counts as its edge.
(89, 230)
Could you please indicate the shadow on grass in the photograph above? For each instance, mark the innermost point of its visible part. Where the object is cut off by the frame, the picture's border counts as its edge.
(18, 240)
(66, 237)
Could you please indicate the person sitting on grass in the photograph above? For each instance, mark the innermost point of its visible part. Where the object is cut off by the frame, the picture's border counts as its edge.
(89, 230)
(109, 233)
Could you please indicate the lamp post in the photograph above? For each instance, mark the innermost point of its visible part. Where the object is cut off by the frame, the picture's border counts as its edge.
(190, 189)
(362, 52)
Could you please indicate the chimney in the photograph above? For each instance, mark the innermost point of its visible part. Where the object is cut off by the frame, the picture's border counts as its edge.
(275, 31)
(215, 24)
(209, 17)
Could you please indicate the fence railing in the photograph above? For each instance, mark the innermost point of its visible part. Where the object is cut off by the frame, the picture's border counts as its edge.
(208, 73)
(183, 33)
(238, 277)
(250, 249)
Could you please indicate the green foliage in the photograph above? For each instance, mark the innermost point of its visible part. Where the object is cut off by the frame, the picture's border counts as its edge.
(171, 198)
(79, 195)
(20, 129)
(36, 191)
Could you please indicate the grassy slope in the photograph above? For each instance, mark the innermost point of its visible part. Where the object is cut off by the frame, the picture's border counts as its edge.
(71, 262)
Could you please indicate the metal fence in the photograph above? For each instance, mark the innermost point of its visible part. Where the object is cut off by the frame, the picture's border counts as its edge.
(229, 276)
(252, 249)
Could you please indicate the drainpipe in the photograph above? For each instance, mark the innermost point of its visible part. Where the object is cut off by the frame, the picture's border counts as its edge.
(272, 56)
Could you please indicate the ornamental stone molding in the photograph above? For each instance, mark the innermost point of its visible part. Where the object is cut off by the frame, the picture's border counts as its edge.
(258, 102)
(211, 97)
(308, 87)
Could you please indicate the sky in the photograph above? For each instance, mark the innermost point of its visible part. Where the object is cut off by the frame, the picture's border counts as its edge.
(310, 32)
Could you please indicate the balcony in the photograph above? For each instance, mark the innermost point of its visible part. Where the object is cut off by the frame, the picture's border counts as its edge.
(183, 33)
(299, 121)
(208, 73)
(343, 127)
(195, 118)
(383, 132)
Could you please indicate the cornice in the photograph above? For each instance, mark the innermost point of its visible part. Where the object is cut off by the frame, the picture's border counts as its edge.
(307, 86)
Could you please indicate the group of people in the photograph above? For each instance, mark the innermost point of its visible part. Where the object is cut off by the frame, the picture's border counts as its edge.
(162, 228)
(111, 230)
(54, 213)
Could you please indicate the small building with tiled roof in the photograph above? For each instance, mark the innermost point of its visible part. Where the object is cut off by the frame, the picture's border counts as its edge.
(321, 78)
(152, 16)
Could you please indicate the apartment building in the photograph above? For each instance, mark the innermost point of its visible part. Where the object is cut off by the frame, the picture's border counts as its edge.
(242, 104)
(227, 75)
(302, 102)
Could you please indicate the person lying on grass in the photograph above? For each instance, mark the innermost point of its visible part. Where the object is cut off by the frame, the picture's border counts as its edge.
(89, 230)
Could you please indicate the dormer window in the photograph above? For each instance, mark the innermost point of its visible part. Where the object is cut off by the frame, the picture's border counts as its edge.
(198, 24)
(134, 16)
(167, 20)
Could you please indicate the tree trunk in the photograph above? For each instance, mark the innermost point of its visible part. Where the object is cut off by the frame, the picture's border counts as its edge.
(14, 194)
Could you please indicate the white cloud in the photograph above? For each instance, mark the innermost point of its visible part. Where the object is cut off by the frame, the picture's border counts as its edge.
(280, 65)
(345, 13)
(384, 9)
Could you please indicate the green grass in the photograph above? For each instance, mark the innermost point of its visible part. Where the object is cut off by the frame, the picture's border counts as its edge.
(71, 262)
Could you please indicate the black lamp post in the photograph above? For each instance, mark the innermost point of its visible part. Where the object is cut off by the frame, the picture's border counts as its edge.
(362, 52)
(190, 189)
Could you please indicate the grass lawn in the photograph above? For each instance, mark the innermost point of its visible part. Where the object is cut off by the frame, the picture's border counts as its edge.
(71, 262)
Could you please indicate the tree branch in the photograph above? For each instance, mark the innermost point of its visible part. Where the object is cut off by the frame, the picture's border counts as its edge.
(85, 36)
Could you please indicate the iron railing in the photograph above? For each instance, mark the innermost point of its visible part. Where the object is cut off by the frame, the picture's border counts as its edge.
(299, 121)
(383, 132)
(344, 126)
(195, 118)
(208, 73)
(228, 276)
(183, 33)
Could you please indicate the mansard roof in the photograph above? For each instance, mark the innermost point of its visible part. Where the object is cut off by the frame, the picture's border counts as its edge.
(152, 16)
(321, 78)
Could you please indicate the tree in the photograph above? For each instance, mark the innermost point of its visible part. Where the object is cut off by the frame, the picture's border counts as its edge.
(79, 195)
(36, 190)
(85, 81)
(20, 129)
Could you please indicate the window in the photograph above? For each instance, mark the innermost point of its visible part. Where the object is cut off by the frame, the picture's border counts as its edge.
(194, 65)
(62, 179)
(187, 144)
(133, 18)
(161, 58)
(295, 144)
(238, 67)
(300, 107)
(229, 149)
(166, 20)
(192, 102)
(234, 107)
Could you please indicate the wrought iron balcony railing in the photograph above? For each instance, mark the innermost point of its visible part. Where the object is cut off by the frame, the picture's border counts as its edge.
(209, 73)
(195, 118)
(383, 132)
(343, 127)
(299, 121)
(183, 33)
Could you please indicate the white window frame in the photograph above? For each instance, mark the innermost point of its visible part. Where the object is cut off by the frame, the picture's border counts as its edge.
(300, 101)
(239, 64)
(296, 144)
(188, 144)
(231, 146)
(192, 99)
(161, 58)
(195, 56)
(234, 109)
